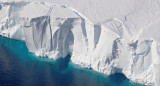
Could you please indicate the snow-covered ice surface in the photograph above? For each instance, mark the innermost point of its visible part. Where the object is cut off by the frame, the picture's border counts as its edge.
(106, 35)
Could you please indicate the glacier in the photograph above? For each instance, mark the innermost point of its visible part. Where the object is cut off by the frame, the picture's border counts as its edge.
(125, 41)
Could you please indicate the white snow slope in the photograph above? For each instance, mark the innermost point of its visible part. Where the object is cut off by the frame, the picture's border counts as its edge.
(108, 36)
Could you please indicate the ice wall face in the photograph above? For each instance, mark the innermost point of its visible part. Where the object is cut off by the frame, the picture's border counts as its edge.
(129, 44)
(56, 34)
(11, 23)
(38, 33)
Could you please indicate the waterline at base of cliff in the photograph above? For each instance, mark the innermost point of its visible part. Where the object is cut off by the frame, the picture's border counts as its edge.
(21, 68)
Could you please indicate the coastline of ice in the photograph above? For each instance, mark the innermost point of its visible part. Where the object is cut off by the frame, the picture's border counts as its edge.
(129, 45)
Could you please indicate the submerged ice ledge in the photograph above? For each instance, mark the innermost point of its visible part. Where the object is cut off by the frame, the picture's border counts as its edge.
(129, 45)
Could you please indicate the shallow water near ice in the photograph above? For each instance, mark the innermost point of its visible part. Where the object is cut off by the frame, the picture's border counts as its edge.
(18, 67)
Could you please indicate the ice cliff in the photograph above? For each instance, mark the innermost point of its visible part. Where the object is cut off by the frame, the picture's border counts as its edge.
(129, 44)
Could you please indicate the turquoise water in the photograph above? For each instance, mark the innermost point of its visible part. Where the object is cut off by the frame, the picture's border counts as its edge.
(18, 67)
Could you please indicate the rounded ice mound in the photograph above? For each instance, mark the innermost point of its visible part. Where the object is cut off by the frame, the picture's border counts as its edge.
(54, 33)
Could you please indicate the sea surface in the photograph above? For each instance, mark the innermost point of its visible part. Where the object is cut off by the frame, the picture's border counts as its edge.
(18, 67)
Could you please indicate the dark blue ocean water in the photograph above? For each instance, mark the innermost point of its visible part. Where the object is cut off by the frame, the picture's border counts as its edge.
(18, 67)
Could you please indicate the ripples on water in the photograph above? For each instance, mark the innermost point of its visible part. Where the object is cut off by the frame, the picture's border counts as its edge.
(18, 67)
